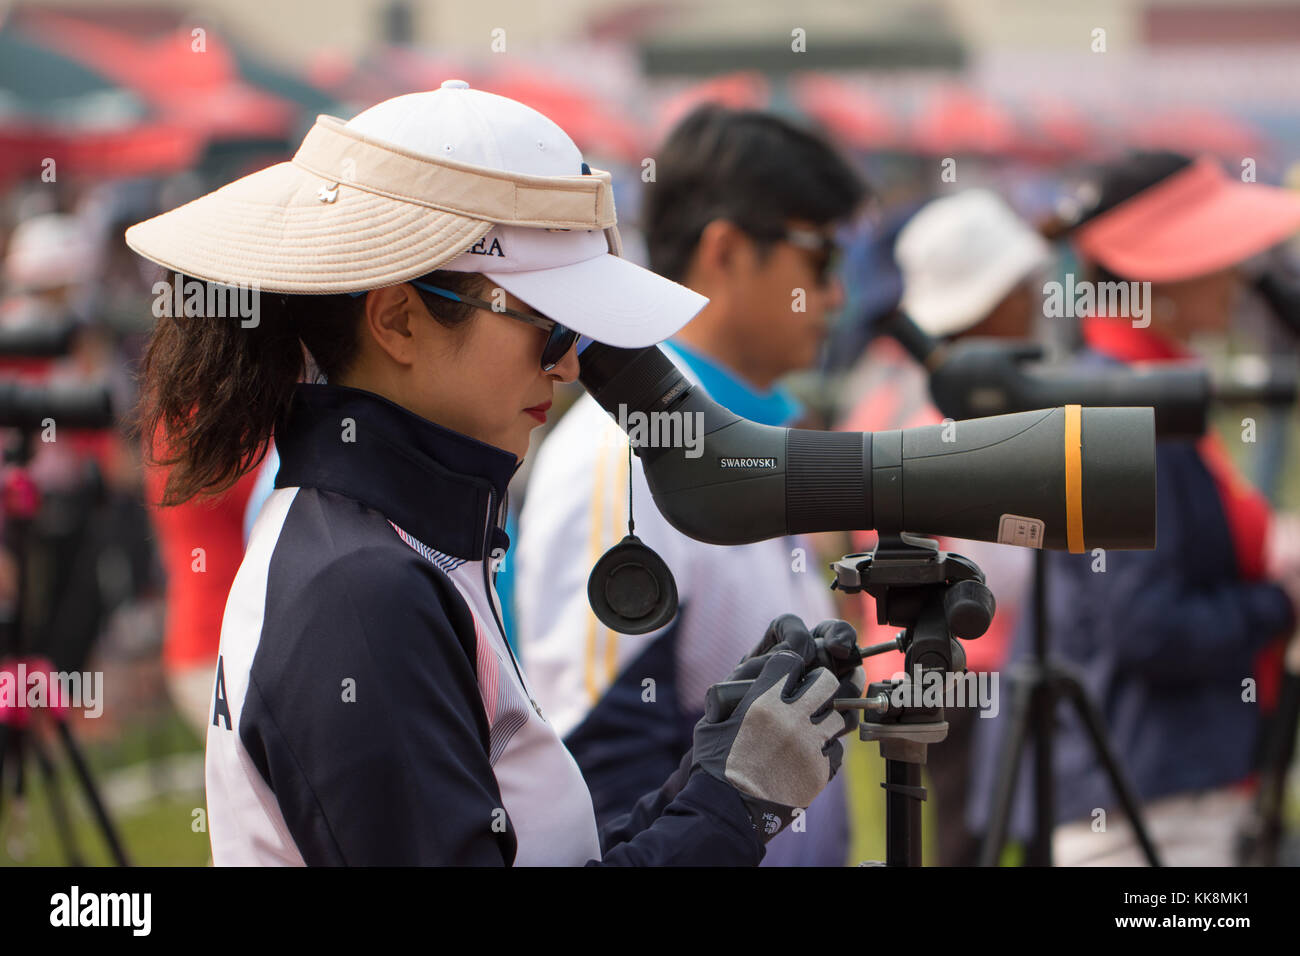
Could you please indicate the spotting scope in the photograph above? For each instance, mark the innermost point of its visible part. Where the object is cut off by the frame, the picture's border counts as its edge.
(1069, 478)
(989, 376)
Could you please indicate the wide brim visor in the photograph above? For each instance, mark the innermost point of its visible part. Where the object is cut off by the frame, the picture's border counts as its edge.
(1196, 223)
(609, 299)
(350, 213)
(283, 229)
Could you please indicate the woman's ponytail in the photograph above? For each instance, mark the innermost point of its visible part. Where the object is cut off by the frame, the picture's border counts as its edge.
(214, 385)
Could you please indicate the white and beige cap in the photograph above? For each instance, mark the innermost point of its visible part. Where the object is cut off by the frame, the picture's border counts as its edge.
(452, 178)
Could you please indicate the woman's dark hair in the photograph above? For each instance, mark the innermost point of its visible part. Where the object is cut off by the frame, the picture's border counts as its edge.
(1123, 179)
(750, 167)
(212, 390)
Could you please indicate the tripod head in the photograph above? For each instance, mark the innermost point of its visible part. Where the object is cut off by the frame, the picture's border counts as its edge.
(937, 598)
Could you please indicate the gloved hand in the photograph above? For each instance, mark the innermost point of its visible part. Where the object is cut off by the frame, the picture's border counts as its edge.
(787, 625)
(779, 747)
(836, 646)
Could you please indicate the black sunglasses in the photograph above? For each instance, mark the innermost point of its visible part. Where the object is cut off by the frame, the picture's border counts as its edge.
(826, 249)
(558, 342)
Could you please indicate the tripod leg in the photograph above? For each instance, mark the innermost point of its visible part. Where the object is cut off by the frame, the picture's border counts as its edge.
(16, 840)
(92, 795)
(4, 749)
(1096, 730)
(1266, 824)
(1025, 689)
(58, 809)
(1043, 713)
(20, 763)
(903, 813)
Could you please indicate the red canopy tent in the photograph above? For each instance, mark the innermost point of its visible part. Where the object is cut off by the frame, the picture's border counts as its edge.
(390, 71)
(61, 109)
(1055, 129)
(1194, 131)
(746, 90)
(958, 120)
(147, 149)
(191, 81)
(851, 113)
(593, 125)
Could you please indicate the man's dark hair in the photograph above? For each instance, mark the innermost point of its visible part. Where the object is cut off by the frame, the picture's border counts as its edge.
(749, 167)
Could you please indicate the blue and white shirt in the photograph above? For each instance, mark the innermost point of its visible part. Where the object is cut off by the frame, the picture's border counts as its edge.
(367, 708)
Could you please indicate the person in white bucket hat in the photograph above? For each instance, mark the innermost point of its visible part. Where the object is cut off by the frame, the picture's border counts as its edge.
(969, 267)
(429, 265)
(967, 260)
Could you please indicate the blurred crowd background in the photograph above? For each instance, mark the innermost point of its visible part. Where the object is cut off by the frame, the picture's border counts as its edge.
(114, 111)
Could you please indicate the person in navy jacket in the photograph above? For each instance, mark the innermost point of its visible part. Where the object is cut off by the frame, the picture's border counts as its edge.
(1167, 642)
(395, 306)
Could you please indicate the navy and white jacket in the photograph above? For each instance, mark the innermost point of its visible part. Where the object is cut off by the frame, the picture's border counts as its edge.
(366, 706)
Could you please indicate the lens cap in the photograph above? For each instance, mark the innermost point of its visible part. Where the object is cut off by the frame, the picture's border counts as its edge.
(631, 589)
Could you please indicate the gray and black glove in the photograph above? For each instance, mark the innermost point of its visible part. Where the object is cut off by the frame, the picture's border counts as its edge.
(836, 649)
(779, 747)
(787, 627)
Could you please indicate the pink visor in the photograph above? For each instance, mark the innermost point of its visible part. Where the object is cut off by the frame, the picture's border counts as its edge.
(1195, 222)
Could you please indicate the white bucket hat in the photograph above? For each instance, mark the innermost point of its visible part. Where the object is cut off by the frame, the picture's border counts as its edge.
(49, 251)
(960, 256)
(452, 178)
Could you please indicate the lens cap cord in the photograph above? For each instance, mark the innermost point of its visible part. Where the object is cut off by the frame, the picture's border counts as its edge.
(631, 590)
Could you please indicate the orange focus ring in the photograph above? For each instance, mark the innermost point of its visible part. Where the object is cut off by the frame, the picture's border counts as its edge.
(1074, 478)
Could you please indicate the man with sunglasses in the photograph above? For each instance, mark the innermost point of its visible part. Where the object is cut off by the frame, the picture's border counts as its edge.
(744, 210)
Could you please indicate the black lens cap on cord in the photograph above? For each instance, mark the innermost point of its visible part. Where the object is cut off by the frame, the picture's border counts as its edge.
(631, 589)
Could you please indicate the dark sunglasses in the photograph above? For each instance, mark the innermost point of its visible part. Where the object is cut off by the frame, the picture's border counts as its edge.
(826, 251)
(558, 340)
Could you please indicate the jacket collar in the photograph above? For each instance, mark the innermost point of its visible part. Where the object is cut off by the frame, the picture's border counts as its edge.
(437, 484)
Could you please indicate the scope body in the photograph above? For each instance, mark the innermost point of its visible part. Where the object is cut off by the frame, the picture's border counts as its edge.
(1061, 478)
